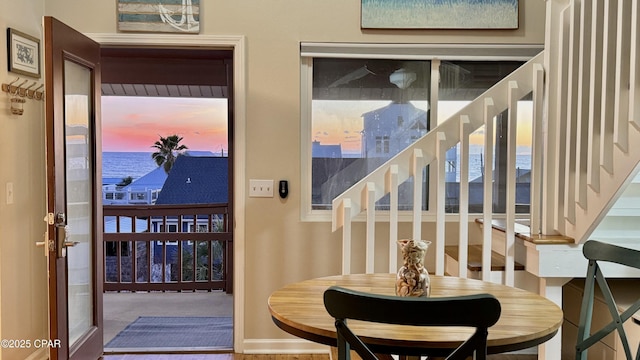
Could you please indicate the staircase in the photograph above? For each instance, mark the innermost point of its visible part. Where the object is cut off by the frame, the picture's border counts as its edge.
(585, 88)
(586, 95)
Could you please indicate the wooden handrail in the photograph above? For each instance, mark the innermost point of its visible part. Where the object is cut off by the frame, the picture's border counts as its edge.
(181, 253)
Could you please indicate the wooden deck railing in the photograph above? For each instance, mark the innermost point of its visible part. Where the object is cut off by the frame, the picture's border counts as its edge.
(167, 248)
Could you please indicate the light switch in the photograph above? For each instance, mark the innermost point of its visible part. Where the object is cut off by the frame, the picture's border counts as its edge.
(260, 188)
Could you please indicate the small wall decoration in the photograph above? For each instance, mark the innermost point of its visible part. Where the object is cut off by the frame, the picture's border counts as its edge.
(181, 16)
(439, 14)
(24, 53)
(19, 93)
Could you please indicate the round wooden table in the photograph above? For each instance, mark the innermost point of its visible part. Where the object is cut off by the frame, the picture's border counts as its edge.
(527, 319)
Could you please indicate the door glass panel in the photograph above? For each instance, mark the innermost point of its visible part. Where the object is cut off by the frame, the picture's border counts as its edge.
(79, 175)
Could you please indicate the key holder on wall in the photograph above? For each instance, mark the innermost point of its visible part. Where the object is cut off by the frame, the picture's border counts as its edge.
(19, 93)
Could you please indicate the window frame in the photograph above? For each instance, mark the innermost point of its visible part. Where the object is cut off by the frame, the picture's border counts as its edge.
(431, 52)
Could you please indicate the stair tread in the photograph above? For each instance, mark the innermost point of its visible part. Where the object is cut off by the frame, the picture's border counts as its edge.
(523, 232)
(474, 260)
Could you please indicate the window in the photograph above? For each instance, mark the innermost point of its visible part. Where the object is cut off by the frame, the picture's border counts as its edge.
(460, 83)
(364, 111)
(364, 104)
(170, 228)
(200, 228)
(382, 144)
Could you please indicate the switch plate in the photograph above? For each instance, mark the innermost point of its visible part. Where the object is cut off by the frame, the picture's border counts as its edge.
(260, 188)
(9, 193)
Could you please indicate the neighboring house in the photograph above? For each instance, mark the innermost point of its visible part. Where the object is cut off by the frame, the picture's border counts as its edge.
(143, 190)
(199, 153)
(326, 151)
(192, 180)
(392, 128)
(387, 131)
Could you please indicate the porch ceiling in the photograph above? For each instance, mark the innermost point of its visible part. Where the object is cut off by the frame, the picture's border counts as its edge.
(164, 90)
(162, 72)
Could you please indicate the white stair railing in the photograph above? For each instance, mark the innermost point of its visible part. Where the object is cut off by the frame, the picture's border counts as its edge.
(431, 150)
(593, 101)
(586, 133)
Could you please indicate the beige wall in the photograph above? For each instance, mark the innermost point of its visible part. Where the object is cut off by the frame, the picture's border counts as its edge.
(23, 274)
(279, 247)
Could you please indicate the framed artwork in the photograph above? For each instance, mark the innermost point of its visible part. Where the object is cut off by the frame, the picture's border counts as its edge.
(24, 53)
(175, 16)
(439, 14)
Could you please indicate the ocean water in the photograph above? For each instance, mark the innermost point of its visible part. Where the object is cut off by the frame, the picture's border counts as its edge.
(123, 164)
(137, 164)
(477, 163)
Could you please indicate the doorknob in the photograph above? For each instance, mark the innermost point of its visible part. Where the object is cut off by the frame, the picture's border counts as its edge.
(47, 242)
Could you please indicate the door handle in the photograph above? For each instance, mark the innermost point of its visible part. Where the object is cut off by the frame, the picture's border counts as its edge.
(47, 242)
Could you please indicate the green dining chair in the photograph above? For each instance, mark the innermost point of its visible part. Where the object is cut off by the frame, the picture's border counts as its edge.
(598, 252)
(475, 311)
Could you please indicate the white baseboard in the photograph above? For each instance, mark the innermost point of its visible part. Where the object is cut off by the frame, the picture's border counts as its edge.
(292, 346)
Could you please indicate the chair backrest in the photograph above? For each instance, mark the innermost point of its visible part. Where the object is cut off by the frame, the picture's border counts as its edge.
(597, 252)
(477, 311)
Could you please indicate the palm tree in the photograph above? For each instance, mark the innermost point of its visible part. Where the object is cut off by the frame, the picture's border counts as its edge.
(168, 148)
(125, 181)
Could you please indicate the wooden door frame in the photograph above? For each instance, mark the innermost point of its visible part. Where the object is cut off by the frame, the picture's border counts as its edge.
(238, 45)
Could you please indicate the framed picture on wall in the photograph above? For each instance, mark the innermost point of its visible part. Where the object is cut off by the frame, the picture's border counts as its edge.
(439, 14)
(173, 16)
(23, 52)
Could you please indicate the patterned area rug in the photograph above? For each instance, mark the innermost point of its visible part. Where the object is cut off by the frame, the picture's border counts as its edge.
(175, 332)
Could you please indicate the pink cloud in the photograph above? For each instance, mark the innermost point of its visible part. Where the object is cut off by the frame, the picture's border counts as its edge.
(134, 124)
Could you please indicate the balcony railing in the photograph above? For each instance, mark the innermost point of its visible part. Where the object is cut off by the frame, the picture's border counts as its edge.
(112, 195)
(167, 248)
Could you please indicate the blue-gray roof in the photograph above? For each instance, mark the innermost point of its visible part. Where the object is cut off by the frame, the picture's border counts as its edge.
(152, 180)
(326, 151)
(198, 153)
(196, 180)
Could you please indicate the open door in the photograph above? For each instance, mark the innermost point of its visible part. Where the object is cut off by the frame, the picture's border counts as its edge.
(72, 78)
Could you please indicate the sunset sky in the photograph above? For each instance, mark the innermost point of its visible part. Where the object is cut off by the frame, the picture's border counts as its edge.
(135, 123)
(340, 122)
